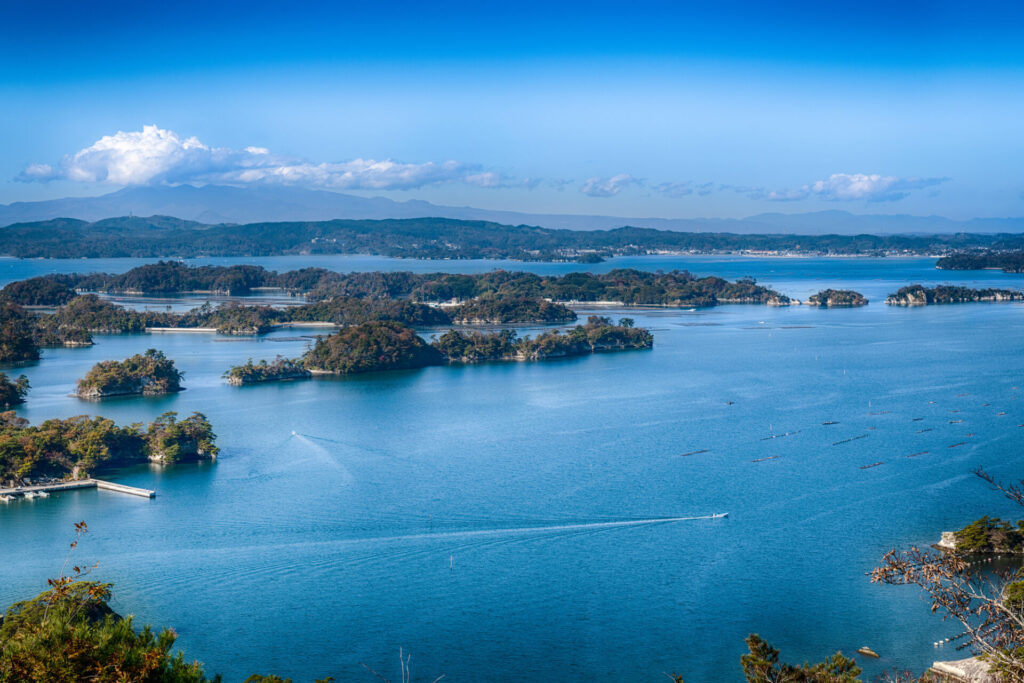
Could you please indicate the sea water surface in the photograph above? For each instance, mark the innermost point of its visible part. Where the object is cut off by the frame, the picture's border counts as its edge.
(522, 521)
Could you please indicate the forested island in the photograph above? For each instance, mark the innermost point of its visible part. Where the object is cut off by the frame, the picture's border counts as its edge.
(990, 535)
(76, 447)
(18, 334)
(370, 347)
(37, 291)
(832, 298)
(344, 299)
(389, 345)
(1006, 261)
(918, 295)
(146, 374)
(280, 368)
(599, 334)
(437, 238)
(628, 286)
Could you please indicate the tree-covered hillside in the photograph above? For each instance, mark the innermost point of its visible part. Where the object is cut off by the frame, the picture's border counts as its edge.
(441, 238)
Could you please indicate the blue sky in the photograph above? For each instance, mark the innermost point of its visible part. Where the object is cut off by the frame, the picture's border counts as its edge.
(636, 109)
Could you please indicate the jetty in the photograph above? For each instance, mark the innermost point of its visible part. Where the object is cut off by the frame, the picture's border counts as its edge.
(33, 491)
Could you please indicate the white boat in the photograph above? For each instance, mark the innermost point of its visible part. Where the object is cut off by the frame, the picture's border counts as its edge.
(43, 494)
(719, 515)
(30, 494)
(6, 499)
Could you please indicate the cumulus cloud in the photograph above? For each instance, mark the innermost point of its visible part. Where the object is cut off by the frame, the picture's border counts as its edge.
(156, 156)
(607, 187)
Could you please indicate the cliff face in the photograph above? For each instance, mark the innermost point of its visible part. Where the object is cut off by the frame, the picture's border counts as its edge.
(183, 450)
(780, 301)
(915, 297)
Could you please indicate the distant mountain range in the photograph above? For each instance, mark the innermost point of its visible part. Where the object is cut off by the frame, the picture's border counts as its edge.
(214, 204)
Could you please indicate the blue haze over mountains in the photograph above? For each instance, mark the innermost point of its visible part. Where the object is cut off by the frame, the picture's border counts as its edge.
(223, 204)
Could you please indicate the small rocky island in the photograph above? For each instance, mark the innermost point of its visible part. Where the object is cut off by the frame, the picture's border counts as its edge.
(986, 535)
(147, 374)
(918, 295)
(280, 369)
(836, 298)
(388, 345)
(77, 447)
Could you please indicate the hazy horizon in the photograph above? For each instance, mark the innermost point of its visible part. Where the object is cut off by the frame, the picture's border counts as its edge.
(217, 204)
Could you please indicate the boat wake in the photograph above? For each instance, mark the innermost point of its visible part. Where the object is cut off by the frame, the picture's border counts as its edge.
(324, 456)
(586, 526)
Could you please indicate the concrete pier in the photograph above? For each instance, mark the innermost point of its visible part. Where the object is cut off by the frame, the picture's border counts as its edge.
(121, 488)
(157, 330)
(78, 484)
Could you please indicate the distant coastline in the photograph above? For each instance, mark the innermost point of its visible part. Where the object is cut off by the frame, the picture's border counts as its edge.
(449, 239)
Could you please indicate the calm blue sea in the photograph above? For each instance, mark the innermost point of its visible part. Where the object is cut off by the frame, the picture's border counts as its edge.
(473, 516)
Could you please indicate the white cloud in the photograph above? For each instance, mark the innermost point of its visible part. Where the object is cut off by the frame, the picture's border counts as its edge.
(851, 187)
(133, 158)
(607, 187)
(156, 156)
(358, 174)
(37, 172)
(674, 190)
(875, 187)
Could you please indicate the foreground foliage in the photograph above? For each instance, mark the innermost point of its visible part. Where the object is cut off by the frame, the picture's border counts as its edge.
(988, 604)
(73, 635)
(70, 633)
(761, 665)
(13, 392)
